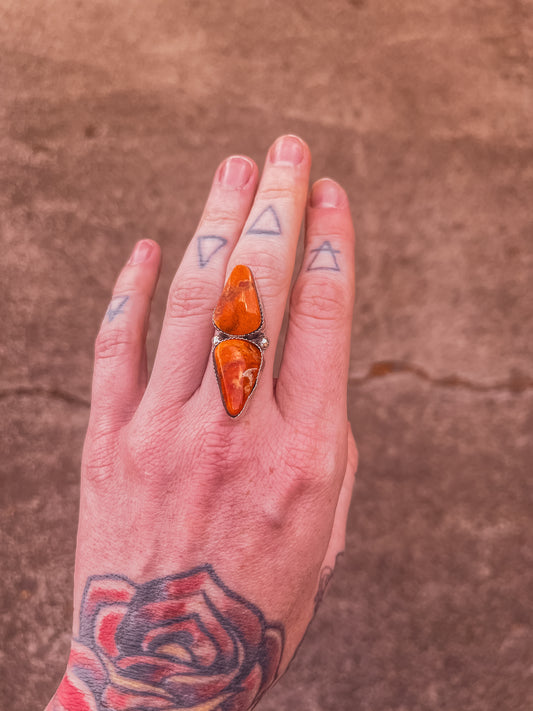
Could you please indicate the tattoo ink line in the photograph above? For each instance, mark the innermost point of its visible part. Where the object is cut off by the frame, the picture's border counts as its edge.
(319, 262)
(325, 579)
(208, 246)
(116, 307)
(266, 224)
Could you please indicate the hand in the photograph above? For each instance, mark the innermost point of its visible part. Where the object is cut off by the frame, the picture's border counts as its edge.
(205, 541)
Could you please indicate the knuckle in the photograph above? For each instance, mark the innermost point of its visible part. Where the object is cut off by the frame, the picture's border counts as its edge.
(269, 272)
(265, 264)
(145, 453)
(323, 299)
(222, 453)
(316, 235)
(99, 478)
(99, 454)
(289, 496)
(276, 193)
(113, 343)
(189, 298)
(305, 473)
(271, 286)
(313, 460)
(219, 221)
(98, 469)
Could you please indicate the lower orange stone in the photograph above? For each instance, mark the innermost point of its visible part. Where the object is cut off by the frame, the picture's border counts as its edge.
(237, 364)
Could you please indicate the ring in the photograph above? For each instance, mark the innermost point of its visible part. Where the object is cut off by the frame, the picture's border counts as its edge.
(239, 341)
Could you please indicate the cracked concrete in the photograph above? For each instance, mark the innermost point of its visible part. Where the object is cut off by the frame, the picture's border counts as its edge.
(46, 393)
(113, 118)
(516, 383)
(380, 369)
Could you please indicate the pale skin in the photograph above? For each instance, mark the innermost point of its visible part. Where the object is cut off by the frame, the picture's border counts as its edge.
(170, 482)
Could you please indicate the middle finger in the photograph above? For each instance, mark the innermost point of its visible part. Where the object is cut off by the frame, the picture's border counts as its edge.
(268, 244)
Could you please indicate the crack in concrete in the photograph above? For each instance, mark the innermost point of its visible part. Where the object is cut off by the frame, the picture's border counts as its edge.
(516, 384)
(38, 391)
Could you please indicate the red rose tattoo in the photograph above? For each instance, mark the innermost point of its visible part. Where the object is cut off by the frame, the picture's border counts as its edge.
(181, 642)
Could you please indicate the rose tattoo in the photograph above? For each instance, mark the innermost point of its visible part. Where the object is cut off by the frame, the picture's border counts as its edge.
(180, 642)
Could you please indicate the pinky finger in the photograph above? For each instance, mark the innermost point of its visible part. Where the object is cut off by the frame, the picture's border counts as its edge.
(337, 539)
(120, 372)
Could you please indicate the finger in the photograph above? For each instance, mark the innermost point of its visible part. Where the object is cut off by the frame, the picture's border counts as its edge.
(269, 240)
(120, 375)
(337, 541)
(187, 331)
(314, 369)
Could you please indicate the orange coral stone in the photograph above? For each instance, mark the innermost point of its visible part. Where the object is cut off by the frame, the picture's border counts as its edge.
(238, 311)
(237, 364)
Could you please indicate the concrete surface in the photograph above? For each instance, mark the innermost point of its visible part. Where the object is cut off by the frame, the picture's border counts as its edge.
(113, 117)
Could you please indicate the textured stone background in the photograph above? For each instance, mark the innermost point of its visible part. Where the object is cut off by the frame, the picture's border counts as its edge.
(113, 116)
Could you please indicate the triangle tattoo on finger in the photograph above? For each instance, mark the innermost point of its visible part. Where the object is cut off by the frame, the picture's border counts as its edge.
(208, 246)
(267, 223)
(324, 258)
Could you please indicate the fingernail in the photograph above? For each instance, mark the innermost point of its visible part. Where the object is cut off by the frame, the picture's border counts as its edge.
(326, 193)
(235, 172)
(142, 251)
(288, 150)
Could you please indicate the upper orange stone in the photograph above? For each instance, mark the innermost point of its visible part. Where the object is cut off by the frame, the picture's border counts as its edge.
(238, 311)
(237, 363)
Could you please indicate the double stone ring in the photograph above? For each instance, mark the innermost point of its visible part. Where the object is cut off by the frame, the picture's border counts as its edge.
(239, 340)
